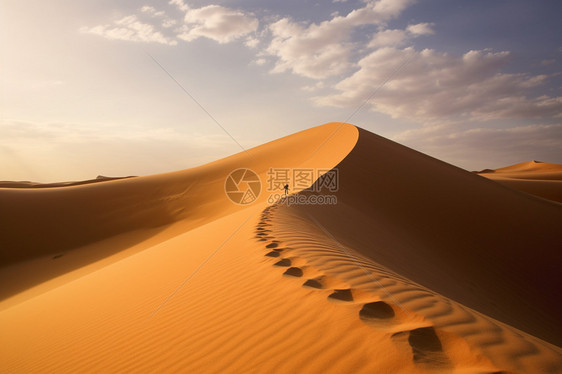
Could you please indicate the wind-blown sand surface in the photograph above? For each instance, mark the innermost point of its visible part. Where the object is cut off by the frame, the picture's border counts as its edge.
(419, 267)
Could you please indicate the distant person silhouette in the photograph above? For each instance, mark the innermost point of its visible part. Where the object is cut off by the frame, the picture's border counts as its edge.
(286, 189)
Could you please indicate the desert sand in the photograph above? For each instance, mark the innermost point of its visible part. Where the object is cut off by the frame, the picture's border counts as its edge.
(420, 267)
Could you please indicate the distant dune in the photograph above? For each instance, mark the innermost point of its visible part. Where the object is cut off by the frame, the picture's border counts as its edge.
(27, 184)
(534, 177)
(419, 267)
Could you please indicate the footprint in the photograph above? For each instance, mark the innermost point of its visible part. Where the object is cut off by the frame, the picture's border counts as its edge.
(427, 347)
(320, 281)
(58, 256)
(376, 310)
(272, 254)
(313, 283)
(272, 245)
(294, 272)
(283, 262)
(342, 295)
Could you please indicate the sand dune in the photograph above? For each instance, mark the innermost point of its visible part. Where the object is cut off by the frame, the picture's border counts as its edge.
(53, 220)
(419, 267)
(28, 184)
(534, 177)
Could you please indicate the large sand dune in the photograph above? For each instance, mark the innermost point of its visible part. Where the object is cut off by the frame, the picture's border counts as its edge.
(419, 267)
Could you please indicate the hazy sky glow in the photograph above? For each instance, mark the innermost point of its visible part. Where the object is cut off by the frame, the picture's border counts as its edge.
(475, 83)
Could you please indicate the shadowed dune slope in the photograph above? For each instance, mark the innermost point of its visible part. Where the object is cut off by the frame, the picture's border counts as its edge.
(534, 177)
(491, 248)
(42, 221)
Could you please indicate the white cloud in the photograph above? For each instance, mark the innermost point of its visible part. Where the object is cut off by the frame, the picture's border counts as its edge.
(167, 23)
(130, 28)
(397, 37)
(179, 4)
(421, 29)
(213, 21)
(435, 85)
(217, 23)
(152, 11)
(322, 50)
(148, 9)
(260, 61)
(314, 87)
(389, 38)
(252, 42)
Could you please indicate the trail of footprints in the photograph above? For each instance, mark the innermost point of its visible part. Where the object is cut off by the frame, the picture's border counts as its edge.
(423, 340)
(412, 328)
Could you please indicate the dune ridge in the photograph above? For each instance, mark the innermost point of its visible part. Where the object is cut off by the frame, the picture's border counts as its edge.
(418, 268)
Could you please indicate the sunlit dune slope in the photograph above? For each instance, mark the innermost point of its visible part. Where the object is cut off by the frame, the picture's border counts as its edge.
(534, 177)
(50, 220)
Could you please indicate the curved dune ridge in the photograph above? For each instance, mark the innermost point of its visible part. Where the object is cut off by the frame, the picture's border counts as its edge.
(419, 267)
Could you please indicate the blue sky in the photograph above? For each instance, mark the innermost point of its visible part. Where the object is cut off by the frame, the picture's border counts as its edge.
(475, 83)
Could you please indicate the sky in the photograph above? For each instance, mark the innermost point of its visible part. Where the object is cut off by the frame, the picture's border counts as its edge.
(122, 87)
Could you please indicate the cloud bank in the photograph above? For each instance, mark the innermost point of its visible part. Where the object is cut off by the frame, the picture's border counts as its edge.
(436, 85)
(431, 86)
(322, 50)
(214, 22)
(131, 29)
(217, 23)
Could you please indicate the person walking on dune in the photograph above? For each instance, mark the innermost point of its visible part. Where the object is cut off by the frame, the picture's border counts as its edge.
(286, 189)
